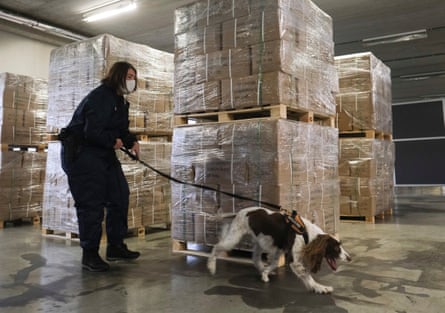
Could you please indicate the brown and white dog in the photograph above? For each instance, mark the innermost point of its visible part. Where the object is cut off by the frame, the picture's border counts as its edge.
(273, 235)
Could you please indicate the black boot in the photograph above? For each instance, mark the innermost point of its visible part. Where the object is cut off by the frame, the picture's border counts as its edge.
(121, 252)
(92, 262)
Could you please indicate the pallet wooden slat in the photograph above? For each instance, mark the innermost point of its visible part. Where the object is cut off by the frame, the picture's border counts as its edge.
(369, 134)
(34, 220)
(181, 247)
(279, 111)
(366, 218)
(23, 148)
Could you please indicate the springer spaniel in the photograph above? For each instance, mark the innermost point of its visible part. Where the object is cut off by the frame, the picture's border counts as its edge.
(276, 233)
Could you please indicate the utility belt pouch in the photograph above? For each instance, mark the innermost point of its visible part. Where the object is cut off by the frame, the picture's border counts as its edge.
(71, 146)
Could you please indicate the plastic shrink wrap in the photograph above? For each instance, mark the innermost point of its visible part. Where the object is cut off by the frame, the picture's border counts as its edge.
(23, 106)
(290, 163)
(77, 68)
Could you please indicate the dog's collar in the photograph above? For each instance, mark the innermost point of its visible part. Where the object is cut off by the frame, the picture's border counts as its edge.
(297, 224)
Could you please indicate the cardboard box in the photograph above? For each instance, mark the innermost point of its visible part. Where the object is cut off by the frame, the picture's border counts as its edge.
(258, 90)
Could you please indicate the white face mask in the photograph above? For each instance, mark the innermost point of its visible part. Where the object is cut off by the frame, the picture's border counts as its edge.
(130, 85)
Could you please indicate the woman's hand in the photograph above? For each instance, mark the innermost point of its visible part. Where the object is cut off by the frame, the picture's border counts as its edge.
(118, 144)
(135, 149)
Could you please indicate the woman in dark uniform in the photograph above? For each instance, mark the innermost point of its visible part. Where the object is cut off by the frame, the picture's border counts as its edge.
(98, 127)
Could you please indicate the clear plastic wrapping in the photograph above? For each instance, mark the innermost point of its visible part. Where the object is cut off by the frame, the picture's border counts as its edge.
(23, 106)
(22, 175)
(77, 68)
(366, 169)
(58, 211)
(150, 193)
(235, 54)
(364, 100)
(284, 162)
(23, 109)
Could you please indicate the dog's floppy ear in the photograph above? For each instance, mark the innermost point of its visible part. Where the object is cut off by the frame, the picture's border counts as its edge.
(315, 251)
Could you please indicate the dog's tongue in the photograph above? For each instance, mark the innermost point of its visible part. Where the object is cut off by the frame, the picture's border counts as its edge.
(332, 263)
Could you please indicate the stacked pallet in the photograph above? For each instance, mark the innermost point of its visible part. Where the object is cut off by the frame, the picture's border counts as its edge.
(366, 147)
(77, 68)
(253, 53)
(255, 87)
(23, 105)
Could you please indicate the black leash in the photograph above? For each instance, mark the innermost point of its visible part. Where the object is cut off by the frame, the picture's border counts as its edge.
(134, 157)
(297, 223)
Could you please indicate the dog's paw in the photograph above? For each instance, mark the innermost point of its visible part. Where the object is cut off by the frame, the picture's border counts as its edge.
(211, 265)
(321, 289)
(265, 277)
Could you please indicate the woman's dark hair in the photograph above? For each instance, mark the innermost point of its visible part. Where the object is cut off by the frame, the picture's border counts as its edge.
(117, 76)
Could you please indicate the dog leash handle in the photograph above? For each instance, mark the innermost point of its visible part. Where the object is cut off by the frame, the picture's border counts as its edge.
(131, 155)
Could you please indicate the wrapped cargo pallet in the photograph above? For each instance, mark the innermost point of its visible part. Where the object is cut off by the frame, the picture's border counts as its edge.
(238, 54)
(364, 100)
(290, 163)
(23, 106)
(366, 169)
(77, 68)
(232, 55)
(22, 176)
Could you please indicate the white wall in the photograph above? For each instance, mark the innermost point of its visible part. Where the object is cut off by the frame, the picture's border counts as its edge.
(24, 56)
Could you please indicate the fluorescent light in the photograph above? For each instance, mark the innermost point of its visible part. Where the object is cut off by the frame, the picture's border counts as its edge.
(422, 76)
(109, 9)
(394, 38)
(59, 32)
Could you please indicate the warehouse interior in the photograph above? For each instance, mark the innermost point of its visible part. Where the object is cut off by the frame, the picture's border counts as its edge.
(396, 246)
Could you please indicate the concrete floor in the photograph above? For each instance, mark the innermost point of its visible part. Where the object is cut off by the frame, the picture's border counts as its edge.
(397, 267)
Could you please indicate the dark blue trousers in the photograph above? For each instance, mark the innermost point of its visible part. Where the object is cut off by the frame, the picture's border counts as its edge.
(98, 186)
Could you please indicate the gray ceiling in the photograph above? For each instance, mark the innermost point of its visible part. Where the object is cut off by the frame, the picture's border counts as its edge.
(354, 20)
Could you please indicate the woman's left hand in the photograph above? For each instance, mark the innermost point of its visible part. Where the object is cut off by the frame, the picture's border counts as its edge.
(135, 149)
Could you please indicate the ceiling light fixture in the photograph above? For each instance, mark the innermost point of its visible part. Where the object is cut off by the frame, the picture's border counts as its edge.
(109, 9)
(422, 76)
(394, 38)
(59, 32)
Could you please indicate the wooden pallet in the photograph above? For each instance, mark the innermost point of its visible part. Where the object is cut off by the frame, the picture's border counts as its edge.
(158, 136)
(25, 148)
(142, 136)
(132, 232)
(279, 111)
(236, 256)
(369, 134)
(60, 234)
(358, 219)
(52, 136)
(366, 219)
(34, 220)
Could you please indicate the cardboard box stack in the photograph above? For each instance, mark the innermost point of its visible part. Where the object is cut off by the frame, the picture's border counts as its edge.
(77, 68)
(150, 197)
(23, 106)
(278, 161)
(237, 54)
(366, 172)
(366, 164)
(364, 99)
